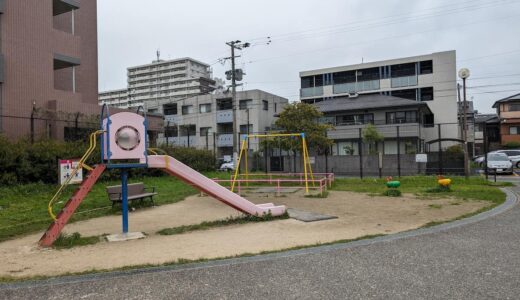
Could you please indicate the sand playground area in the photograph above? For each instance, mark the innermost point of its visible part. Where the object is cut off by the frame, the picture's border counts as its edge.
(357, 215)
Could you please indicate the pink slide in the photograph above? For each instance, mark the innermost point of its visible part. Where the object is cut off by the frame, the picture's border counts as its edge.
(208, 186)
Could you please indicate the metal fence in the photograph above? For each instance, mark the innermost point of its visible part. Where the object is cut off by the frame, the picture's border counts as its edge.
(67, 127)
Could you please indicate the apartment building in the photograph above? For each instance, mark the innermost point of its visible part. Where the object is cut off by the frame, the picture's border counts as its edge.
(162, 80)
(508, 110)
(48, 62)
(114, 98)
(206, 121)
(429, 79)
(400, 121)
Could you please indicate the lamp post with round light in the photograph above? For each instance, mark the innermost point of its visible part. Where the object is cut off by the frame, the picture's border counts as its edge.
(464, 74)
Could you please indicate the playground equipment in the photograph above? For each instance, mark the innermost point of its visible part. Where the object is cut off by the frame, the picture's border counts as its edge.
(308, 175)
(390, 183)
(123, 147)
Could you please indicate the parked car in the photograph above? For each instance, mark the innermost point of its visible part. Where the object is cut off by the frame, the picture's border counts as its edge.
(227, 166)
(513, 155)
(499, 163)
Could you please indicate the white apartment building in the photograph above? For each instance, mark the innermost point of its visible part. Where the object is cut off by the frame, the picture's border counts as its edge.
(115, 98)
(165, 80)
(427, 78)
(206, 121)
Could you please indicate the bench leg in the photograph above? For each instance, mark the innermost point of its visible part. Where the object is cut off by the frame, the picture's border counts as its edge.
(151, 199)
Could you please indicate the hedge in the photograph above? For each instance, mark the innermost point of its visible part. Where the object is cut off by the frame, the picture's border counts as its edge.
(22, 162)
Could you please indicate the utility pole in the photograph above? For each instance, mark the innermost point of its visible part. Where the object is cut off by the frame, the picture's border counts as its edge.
(247, 110)
(234, 46)
(464, 74)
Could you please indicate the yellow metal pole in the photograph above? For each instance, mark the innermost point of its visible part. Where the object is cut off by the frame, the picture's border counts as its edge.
(247, 165)
(305, 165)
(309, 162)
(237, 167)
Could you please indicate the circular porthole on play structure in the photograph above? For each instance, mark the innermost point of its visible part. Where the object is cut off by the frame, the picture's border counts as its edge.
(127, 138)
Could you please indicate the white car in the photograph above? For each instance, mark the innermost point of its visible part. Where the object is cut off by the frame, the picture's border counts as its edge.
(513, 155)
(499, 163)
(227, 166)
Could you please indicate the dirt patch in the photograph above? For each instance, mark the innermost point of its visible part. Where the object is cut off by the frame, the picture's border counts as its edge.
(358, 215)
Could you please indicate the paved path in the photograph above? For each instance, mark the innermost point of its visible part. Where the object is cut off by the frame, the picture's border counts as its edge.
(474, 261)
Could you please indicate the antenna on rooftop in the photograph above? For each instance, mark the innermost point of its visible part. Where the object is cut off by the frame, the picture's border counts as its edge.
(158, 55)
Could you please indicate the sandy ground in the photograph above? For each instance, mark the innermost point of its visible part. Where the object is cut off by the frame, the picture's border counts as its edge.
(358, 215)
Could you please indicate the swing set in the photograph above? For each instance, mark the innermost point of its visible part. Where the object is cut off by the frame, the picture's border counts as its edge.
(308, 175)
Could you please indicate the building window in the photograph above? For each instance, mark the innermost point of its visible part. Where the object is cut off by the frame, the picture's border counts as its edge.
(245, 104)
(224, 104)
(344, 77)
(407, 94)
(171, 131)
(368, 74)
(514, 107)
(275, 107)
(187, 109)
(426, 67)
(400, 117)
(355, 119)
(204, 131)
(205, 108)
(265, 104)
(347, 148)
(246, 129)
(307, 82)
(514, 129)
(426, 94)
(402, 70)
(188, 130)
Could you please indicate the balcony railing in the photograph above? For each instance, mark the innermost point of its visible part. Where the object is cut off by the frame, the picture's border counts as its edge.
(225, 116)
(225, 140)
(404, 81)
(354, 87)
(312, 92)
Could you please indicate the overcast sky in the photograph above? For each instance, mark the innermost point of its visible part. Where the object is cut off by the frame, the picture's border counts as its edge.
(310, 34)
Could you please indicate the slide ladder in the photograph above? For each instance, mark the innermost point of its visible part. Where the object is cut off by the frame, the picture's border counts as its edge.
(66, 213)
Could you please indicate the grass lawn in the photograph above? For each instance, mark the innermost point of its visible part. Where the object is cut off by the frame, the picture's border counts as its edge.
(23, 208)
(474, 188)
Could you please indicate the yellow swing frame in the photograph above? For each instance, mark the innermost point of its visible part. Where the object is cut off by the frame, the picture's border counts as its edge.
(306, 161)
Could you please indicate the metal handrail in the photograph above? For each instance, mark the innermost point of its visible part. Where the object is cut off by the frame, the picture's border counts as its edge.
(90, 150)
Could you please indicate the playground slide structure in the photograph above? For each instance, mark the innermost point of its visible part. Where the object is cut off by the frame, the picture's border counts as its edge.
(123, 147)
(208, 186)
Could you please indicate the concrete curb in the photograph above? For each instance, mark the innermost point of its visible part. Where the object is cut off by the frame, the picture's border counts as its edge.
(511, 201)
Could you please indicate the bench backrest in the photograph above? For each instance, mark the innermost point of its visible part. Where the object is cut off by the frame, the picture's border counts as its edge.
(133, 189)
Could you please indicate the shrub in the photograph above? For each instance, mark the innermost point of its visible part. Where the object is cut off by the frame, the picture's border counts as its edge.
(200, 160)
(512, 145)
(24, 162)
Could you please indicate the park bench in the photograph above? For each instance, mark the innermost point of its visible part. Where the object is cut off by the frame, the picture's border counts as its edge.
(136, 192)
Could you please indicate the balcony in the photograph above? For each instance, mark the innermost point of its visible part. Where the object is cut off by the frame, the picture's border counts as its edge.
(311, 92)
(63, 6)
(354, 87)
(182, 141)
(225, 116)
(225, 140)
(404, 81)
(172, 119)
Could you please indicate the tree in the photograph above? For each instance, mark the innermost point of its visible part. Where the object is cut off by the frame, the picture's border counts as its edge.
(371, 137)
(302, 118)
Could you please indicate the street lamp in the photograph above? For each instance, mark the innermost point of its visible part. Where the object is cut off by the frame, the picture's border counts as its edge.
(464, 74)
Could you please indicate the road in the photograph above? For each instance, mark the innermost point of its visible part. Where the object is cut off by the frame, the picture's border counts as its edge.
(479, 260)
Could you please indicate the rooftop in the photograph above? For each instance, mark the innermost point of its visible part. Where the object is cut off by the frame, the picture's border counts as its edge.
(515, 97)
(367, 102)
